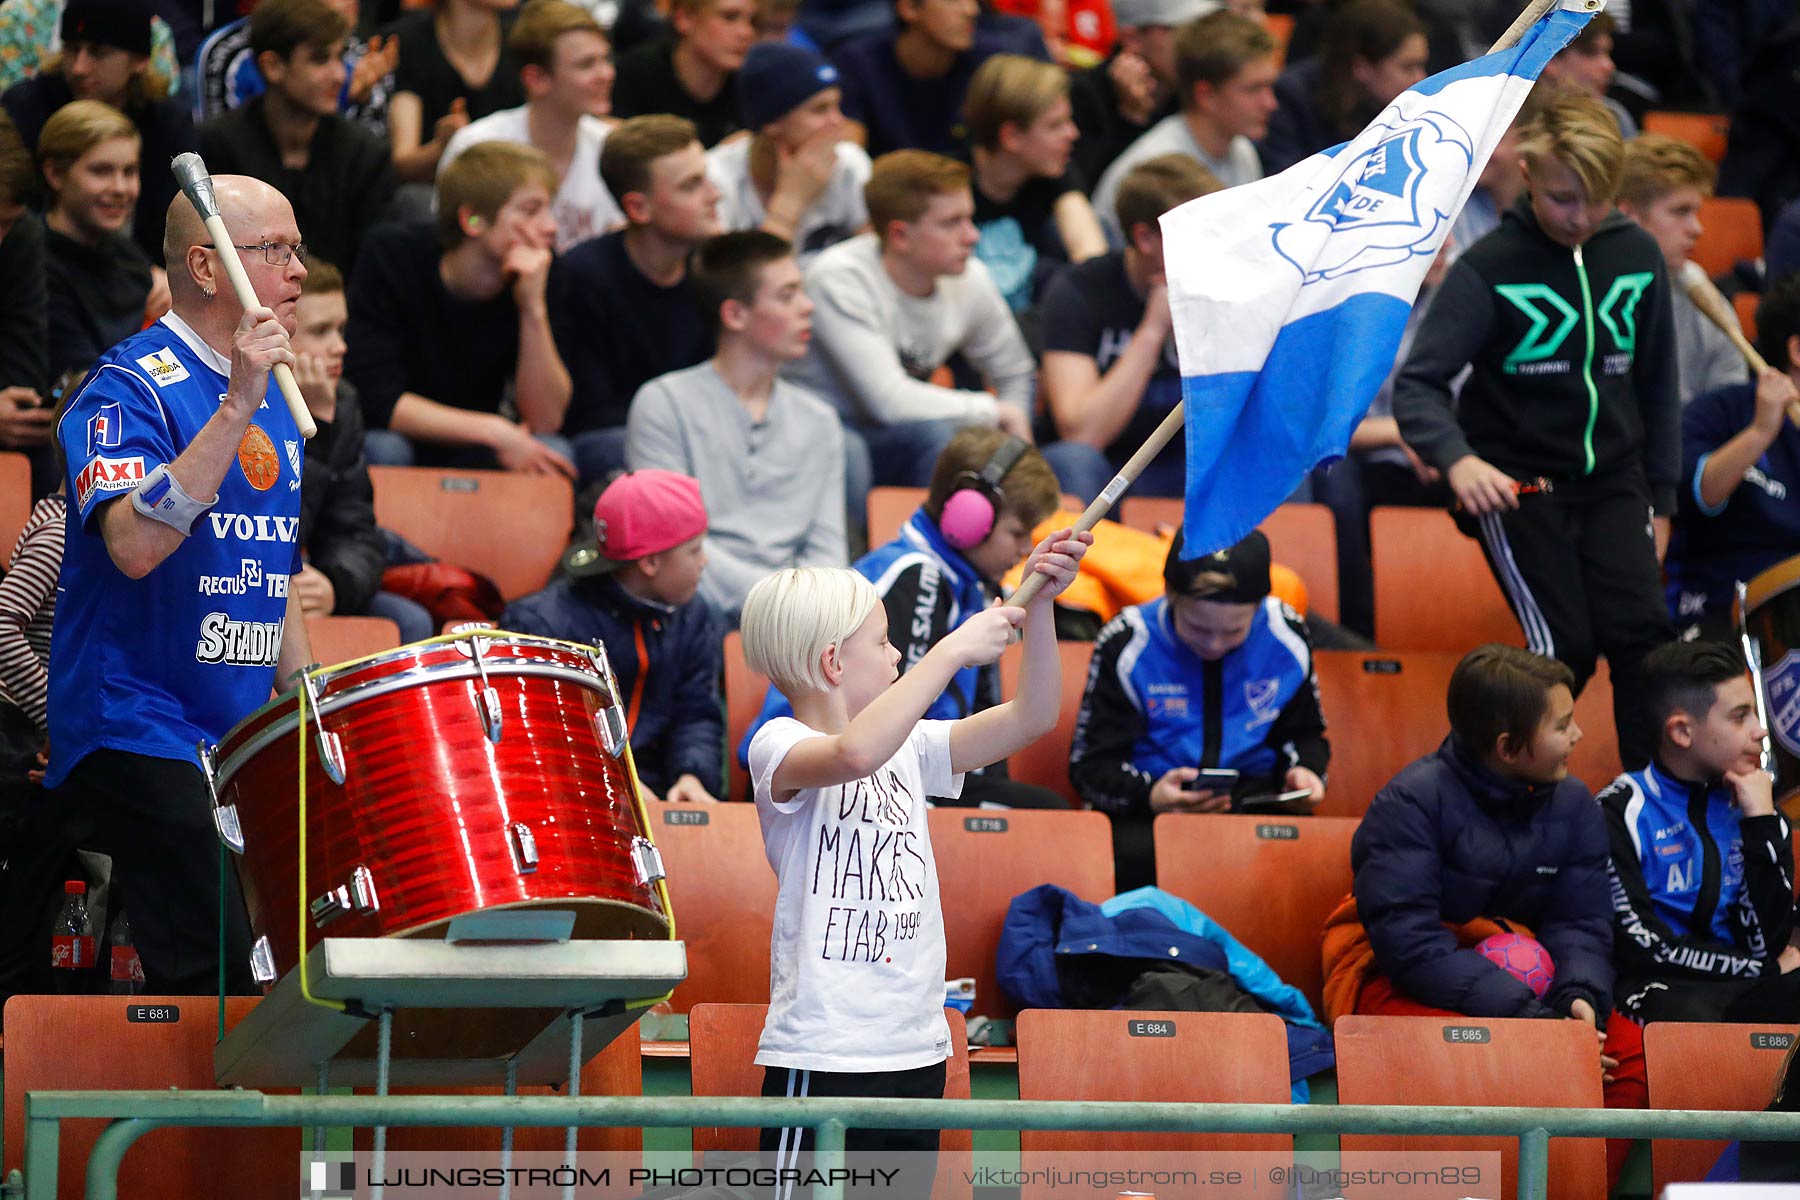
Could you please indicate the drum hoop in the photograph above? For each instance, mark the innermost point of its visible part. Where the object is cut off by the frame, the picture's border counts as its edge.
(1770, 583)
(376, 688)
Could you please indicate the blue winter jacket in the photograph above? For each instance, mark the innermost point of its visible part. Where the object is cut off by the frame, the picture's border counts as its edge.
(1448, 840)
(1049, 922)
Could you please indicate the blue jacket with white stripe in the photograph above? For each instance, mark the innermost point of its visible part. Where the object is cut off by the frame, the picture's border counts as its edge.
(1153, 704)
(1699, 892)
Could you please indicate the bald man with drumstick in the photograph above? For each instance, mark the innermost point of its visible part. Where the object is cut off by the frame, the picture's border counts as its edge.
(175, 615)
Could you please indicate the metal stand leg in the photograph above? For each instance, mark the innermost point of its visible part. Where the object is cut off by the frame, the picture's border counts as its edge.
(318, 1147)
(385, 1033)
(506, 1133)
(569, 1137)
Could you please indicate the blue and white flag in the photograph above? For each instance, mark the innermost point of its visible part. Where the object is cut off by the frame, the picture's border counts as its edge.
(1290, 294)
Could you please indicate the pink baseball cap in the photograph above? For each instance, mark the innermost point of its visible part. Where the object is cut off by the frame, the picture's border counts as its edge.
(640, 513)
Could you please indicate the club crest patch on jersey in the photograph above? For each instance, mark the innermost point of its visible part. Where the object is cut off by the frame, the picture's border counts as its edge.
(105, 429)
(257, 459)
(163, 367)
(1782, 682)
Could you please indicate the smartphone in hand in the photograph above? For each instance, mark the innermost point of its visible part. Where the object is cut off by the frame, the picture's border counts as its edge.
(1212, 779)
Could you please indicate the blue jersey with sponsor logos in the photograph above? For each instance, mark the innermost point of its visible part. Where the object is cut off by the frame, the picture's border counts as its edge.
(156, 665)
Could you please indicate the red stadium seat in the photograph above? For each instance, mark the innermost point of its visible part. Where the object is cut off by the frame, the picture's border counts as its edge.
(1046, 761)
(510, 527)
(1464, 1061)
(1433, 589)
(15, 500)
(723, 892)
(1740, 1067)
(1745, 303)
(1270, 881)
(1705, 132)
(745, 692)
(340, 639)
(1596, 758)
(88, 1042)
(1382, 710)
(1732, 230)
(984, 859)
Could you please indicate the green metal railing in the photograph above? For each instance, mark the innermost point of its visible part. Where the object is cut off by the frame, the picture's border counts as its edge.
(134, 1114)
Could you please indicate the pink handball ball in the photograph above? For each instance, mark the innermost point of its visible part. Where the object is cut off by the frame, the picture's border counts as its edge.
(1522, 957)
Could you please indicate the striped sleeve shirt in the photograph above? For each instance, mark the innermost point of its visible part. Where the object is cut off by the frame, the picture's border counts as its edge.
(27, 608)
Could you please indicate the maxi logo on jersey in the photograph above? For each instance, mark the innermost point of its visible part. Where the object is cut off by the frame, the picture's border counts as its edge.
(238, 643)
(109, 475)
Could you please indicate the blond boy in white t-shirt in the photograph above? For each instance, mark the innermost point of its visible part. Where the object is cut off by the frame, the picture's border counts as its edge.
(856, 956)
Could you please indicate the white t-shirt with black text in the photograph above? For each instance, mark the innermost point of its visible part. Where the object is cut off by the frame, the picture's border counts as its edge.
(856, 956)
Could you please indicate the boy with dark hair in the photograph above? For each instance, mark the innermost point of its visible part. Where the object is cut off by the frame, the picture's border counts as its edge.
(338, 175)
(441, 321)
(1702, 863)
(1489, 832)
(1564, 314)
(1215, 675)
(624, 308)
(565, 67)
(941, 572)
(1116, 101)
(1740, 467)
(1586, 65)
(637, 586)
(1110, 372)
(896, 303)
(689, 74)
(345, 551)
(907, 86)
(769, 455)
(1225, 68)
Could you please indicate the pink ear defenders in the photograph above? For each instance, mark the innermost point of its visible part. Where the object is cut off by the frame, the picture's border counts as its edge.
(972, 508)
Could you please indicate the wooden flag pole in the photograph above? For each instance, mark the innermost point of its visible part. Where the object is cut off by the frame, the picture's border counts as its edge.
(1171, 425)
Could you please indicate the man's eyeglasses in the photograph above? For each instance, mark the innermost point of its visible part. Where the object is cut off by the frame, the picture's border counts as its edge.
(276, 254)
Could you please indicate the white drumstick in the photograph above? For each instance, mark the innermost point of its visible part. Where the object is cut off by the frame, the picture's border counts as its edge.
(1709, 300)
(196, 184)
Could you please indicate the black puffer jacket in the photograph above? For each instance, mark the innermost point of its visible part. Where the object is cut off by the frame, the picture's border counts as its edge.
(337, 508)
(1448, 840)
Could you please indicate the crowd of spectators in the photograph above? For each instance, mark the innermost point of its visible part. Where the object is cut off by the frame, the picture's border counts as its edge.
(762, 268)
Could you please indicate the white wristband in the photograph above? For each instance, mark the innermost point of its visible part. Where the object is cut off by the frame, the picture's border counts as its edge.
(161, 498)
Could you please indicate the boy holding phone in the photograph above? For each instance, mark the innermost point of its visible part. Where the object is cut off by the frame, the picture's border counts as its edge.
(1216, 675)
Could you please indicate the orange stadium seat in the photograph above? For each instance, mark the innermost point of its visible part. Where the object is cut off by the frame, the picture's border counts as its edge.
(88, 1042)
(1187, 1057)
(1270, 881)
(889, 507)
(1464, 1061)
(984, 859)
(1281, 28)
(745, 691)
(1382, 710)
(1303, 537)
(723, 892)
(1741, 1066)
(1433, 589)
(1732, 230)
(1596, 758)
(340, 639)
(1046, 761)
(1705, 132)
(510, 527)
(1745, 303)
(722, 1049)
(15, 500)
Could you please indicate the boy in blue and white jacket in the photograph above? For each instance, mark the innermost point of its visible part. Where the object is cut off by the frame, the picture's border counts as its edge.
(1702, 867)
(1216, 673)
